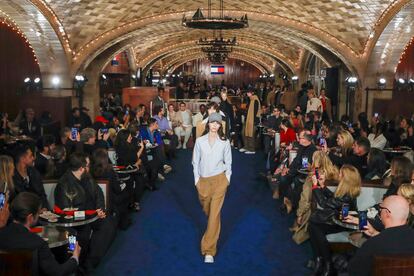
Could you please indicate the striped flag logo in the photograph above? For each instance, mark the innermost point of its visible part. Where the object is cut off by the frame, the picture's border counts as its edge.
(217, 69)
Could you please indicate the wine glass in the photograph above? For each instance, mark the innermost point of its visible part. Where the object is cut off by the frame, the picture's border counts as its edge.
(71, 194)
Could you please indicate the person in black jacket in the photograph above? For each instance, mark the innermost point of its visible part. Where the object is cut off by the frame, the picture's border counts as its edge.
(290, 175)
(396, 239)
(401, 168)
(30, 126)
(237, 127)
(131, 152)
(89, 141)
(118, 194)
(43, 161)
(321, 224)
(358, 157)
(77, 189)
(272, 124)
(25, 212)
(26, 178)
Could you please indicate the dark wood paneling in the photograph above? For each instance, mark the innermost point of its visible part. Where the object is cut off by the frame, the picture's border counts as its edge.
(236, 73)
(59, 107)
(17, 63)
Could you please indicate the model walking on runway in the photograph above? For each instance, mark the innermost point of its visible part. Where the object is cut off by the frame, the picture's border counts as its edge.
(212, 171)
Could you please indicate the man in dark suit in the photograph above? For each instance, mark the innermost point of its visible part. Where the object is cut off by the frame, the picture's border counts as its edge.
(25, 212)
(26, 178)
(396, 239)
(158, 101)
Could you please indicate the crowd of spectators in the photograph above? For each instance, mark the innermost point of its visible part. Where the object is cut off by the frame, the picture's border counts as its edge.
(145, 139)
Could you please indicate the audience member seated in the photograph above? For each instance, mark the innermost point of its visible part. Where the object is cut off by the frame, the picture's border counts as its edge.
(323, 168)
(29, 125)
(118, 194)
(88, 142)
(401, 170)
(272, 125)
(344, 142)
(358, 158)
(184, 125)
(291, 175)
(6, 186)
(377, 139)
(287, 134)
(67, 140)
(45, 146)
(396, 239)
(25, 210)
(77, 189)
(197, 118)
(60, 165)
(26, 178)
(130, 153)
(377, 164)
(320, 224)
(166, 131)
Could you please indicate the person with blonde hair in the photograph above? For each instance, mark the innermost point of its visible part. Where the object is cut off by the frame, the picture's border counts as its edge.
(345, 142)
(407, 191)
(323, 168)
(331, 203)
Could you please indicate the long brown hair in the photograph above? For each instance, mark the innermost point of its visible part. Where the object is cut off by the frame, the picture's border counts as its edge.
(100, 163)
(6, 173)
(220, 131)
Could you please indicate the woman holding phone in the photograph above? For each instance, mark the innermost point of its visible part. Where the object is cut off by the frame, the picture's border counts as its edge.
(212, 171)
(331, 204)
(322, 170)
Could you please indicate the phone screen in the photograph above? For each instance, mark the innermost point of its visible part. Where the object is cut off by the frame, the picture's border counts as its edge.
(74, 133)
(317, 173)
(376, 115)
(2, 200)
(72, 242)
(104, 130)
(322, 141)
(362, 220)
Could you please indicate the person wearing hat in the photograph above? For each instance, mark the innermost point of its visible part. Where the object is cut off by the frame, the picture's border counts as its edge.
(252, 120)
(212, 171)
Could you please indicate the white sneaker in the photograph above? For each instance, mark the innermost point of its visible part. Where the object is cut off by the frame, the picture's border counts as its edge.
(242, 150)
(179, 146)
(185, 146)
(249, 152)
(208, 259)
(161, 177)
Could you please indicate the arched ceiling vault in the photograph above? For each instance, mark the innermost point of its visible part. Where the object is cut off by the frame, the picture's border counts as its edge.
(180, 61)
(346, 29)
(264, 65)
(172, 50)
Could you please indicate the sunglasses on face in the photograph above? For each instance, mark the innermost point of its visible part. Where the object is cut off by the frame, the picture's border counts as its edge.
(383, 208)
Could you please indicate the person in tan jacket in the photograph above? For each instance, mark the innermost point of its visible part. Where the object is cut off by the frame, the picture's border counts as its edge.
(326, 170)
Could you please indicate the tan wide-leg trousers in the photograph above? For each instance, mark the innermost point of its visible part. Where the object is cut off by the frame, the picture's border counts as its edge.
(211, 193)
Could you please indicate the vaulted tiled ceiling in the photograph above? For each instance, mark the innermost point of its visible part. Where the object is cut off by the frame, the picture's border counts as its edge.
(278, 29)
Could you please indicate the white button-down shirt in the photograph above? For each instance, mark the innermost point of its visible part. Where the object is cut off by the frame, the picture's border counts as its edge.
(211, 160)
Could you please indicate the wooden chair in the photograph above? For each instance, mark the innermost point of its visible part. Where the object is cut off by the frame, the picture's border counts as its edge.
(17, 262)
(401, 265)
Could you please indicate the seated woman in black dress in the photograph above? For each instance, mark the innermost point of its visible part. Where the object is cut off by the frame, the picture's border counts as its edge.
(321, 224)
(129, 154)
(118, 195)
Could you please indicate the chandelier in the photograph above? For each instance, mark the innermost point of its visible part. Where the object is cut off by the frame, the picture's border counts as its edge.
(222, 22)
(217, 49)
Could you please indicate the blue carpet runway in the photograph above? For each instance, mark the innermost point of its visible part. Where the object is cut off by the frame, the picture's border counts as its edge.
(165, 236)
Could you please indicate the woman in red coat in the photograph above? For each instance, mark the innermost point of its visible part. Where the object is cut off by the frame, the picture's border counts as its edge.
(287, 134)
